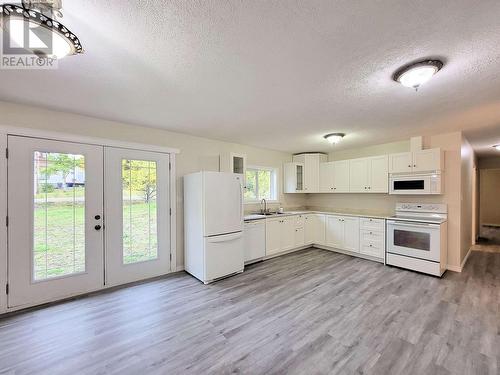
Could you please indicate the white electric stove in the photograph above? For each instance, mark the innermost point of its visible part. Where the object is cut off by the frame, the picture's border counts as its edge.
(417, 237)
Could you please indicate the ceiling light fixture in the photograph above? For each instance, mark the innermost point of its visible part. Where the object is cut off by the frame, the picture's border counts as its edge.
(416, 74)
(497, 147)
(46, 36)
(334, 138)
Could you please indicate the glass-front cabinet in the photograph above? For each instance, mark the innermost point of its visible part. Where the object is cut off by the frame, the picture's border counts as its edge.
(294, 178)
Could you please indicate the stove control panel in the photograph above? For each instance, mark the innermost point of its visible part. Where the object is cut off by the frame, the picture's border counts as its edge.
(422, 207)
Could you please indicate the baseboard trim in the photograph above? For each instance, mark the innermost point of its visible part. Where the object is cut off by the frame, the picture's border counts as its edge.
(453, 268)
(462, 265)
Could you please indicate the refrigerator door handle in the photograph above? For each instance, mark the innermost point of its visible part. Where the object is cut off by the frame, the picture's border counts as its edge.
(225, 237)
(241, 200)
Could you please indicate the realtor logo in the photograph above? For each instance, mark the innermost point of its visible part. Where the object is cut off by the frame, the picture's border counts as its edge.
(25, 44)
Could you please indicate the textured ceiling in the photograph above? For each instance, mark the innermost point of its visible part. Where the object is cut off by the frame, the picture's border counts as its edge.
(277, 74)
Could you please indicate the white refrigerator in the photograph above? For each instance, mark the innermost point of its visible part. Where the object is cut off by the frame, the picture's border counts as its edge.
(213, 225)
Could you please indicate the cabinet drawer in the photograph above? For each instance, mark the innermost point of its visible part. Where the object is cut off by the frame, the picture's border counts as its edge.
(371, 236)
(375, 249)
(372, 224)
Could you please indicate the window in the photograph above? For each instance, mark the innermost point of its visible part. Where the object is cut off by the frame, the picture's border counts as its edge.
(261, 183)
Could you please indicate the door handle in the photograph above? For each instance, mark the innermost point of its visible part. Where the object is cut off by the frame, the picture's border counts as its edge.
(97, 227)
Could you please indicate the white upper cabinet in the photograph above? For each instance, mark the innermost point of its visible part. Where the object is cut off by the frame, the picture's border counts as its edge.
(233, 162)
(369, 175)
(293, 178)
(400, 163)
(417, 161)
(428, 160)
(311, 164)
(334, 177)
(359, 175)
(326, 177)
(379, 174)
(341, 176)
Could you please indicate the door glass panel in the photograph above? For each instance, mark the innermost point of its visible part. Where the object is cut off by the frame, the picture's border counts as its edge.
(300, 178)
(412, 240)
(59, 215)
(140, 240)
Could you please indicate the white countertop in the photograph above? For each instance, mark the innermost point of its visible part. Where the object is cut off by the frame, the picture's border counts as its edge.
(357, 213)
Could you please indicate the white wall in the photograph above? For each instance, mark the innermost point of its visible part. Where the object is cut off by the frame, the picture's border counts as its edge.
(374, 150)
(468, 163)
(196, 153)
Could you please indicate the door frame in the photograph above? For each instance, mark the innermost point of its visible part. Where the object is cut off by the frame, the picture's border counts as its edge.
(69, 137)
(3, 216)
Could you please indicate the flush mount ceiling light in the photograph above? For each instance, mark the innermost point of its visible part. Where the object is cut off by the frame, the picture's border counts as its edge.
(416, 74)
(497, 147)
(46, 37)
(334, 138)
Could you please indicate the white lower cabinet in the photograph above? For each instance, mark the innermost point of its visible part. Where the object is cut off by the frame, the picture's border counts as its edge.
(365, 236)
(273, 236)
(299, 237)
(351, 234)
(342, 232)
(314, 229)
(280, 234)
(372, 237)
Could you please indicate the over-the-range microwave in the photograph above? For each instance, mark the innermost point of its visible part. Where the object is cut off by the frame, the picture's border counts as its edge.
(416, 183)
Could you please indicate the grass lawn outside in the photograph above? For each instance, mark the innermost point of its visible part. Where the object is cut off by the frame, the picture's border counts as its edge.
(59, 240)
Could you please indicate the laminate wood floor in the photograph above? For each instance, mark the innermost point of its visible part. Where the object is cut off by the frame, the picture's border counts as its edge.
(310, 312)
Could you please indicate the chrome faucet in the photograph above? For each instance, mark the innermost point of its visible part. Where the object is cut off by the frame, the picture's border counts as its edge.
(263, 211)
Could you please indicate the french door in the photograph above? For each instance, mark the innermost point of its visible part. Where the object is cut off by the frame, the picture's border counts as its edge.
(55, 208)
(137, 221)
(83, 217)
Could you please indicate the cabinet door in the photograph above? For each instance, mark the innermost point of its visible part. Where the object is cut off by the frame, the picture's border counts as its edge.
(287, 233)
(341, 176)
(358, 175)
(314, 229)
(320, 229)
(309, 229)
(351, 234)
(311, 169)
(427, 160)
(379, 174)
(402, 162)
(293, 177)
(299, 237)
(238, 163)
(326, 172)
(334, 231)
(273, 236)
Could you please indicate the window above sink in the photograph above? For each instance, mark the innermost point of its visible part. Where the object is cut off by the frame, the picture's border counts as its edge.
(261, 183)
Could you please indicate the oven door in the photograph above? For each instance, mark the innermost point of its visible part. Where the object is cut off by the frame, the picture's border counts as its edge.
(410, 185)
(416, 240)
